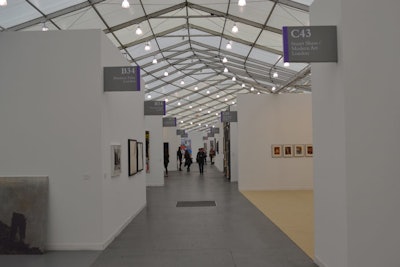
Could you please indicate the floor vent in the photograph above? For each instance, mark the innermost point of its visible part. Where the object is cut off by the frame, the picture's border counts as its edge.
(189, 204)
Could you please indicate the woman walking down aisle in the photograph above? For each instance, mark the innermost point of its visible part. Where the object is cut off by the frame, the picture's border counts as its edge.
(179, 157)
(200, 158)
(188, 160)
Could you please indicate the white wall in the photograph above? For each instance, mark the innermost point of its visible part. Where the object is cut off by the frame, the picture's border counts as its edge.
(265, 120)
(123, 119)
(174, 141)
(51, 101)
(356, 166)
(156, 175)
(219, 157)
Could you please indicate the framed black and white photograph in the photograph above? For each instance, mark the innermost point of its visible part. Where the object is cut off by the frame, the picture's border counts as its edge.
(276, 151)
(115, 160)
(309, 150)
(132, 157)
(140, 160)
(287, 151)
(299, 150)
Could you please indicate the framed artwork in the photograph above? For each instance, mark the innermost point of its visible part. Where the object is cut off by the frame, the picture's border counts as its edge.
(276, 151)
(287, 151)
(132, 157)
(140, 162)
(115, 160)
(299, 150)
(309, 151)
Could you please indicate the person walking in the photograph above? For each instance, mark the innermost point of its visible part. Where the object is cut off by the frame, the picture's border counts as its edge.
(188, 160)
(200, 158)
(166, 161)
(179, 157)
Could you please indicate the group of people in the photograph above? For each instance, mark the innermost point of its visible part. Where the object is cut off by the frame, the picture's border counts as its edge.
(201, 159)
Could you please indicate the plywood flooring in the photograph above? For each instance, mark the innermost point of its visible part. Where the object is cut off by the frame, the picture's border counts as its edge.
(291, 211)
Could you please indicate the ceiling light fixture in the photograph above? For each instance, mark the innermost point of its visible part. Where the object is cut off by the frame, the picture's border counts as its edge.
(273, 89)
(235, 28)
(155, 60)
(44, 28)
(243, 85)
(258, 93)
(275, 75)
(217, 96)
(190, 106)
(229, 45)
(166, 100)
(226, 70)
(139, 30)
(200, 109)
(166, 73)
(125, 4)
(196, 88)
(252, 88)
(147, 46)
(241, 2)
(224, 60)
(3, 2)
(179, 103)
(182, 82)
(226, 99)
(286, 64)
(234, 79)
(149, 96)
(208, 91)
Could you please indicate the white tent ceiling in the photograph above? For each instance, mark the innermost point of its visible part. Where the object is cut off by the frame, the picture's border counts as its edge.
(188, 39)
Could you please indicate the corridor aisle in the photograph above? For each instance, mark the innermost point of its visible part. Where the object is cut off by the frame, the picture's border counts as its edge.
(233, 233)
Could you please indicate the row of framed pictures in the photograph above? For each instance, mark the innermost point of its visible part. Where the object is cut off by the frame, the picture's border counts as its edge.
(135, 158)
(288, 151)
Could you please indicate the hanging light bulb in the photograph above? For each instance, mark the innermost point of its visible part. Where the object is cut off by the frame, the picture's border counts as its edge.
(125, 4)
(226, 70)
(286, 64)
(242, 3)
(155, 60)
(229, 45)
(3, 2)
(275, 75)
(224, 60)
(235, 28)
(139, 30)
(147, 46)
(44, 28)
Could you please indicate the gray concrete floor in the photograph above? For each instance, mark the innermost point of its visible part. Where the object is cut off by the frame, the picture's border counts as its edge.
(234, 233)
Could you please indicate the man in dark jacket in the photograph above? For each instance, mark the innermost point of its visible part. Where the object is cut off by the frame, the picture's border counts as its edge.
(201, 155)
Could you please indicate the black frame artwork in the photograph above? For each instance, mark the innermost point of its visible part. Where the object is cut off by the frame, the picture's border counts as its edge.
(132, 157)
(140, 160)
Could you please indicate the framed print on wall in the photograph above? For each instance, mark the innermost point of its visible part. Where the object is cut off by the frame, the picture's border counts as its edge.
(115, 160)
(309, 150)
(287, 151)
(140, 162)
(276, 151)
(299, 150)
(132, 157)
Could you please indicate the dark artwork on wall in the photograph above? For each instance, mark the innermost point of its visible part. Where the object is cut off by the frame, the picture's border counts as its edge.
(23, 214)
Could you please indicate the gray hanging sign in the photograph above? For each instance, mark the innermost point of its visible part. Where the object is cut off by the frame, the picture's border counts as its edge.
(154, 107)
(310, 44)
(121, 79)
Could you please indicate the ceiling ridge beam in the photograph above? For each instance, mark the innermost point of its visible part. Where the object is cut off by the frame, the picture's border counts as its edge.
(235, 18)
